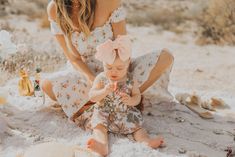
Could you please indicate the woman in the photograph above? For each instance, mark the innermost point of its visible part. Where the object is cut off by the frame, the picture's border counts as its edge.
(79, 26)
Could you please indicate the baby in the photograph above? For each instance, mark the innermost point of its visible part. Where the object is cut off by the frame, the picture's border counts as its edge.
(116, 95)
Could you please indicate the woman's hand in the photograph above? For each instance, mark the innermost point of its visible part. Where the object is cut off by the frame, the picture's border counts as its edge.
(91, 79)
(127, 99)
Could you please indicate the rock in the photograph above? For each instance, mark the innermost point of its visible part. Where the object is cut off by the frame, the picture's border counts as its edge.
(150, 114)
(180, 119)
(218, 132)
(182, 150)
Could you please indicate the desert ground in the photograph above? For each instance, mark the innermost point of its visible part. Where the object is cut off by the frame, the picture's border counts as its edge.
(203, 64)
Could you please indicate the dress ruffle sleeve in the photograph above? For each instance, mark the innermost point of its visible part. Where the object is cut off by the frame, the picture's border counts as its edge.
(118, 15)
(55, 29)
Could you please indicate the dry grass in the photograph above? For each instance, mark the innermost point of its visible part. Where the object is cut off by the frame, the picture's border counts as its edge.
(3, 3)
(44, 22)
(30, 60)
(218, 23)
(33, 9)
(167, 19)
(6, 26)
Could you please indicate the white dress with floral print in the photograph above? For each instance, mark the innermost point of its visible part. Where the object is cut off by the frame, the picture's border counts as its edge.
(71, 87)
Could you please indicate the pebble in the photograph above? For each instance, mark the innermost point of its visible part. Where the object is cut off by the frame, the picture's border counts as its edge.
(180, 119)
(149, 114)
(182, 151)
(218, 132)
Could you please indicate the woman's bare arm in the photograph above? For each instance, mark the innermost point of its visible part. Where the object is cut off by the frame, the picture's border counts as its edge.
(119, 28)
(98, 91)
(96, 95)
(69, 50)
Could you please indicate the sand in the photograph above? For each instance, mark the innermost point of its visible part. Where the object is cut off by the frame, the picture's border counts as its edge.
(208, 71)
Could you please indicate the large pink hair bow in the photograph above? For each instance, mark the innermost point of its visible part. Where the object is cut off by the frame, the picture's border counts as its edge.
(106, 52)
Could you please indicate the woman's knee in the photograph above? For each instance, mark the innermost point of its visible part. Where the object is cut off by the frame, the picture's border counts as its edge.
(46, 85)
(101, 127)
(47, 88)
(167, 57)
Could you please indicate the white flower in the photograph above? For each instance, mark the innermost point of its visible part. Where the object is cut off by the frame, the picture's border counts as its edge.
(6, 45)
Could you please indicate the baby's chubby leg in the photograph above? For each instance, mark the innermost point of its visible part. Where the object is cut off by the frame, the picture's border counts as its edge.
(142, 136)
(99, 142)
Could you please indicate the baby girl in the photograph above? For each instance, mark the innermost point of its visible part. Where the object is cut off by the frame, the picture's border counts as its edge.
(116, 95)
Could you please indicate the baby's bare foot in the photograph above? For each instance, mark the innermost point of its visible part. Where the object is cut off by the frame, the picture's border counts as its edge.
(97, 147)
(155, 142)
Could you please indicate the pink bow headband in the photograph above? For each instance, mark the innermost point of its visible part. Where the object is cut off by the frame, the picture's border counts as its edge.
(106, 51)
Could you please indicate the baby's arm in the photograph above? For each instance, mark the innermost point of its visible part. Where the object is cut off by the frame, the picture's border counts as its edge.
(98, 90)
(135, 97)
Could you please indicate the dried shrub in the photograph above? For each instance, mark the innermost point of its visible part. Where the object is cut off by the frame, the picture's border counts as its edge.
(3, 4)
(33, 9)
(5, 25)
(30, 60)
(218, 23)
(171, 16)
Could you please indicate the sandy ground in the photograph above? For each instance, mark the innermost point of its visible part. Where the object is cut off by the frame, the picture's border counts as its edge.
(208, 71)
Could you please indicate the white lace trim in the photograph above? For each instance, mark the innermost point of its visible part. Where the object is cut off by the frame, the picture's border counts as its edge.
(118, 15)
(55, 29)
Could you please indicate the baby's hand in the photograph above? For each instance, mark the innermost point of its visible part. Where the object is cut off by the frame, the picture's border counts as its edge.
(110, 87)
(115, 86)
(126, 99)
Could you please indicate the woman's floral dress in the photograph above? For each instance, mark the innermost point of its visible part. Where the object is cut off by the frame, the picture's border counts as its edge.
(71, 87)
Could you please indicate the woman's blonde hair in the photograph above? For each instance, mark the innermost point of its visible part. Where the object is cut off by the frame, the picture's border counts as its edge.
(85, 16)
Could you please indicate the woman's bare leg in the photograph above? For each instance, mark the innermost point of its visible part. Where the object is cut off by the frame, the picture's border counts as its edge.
(99, 142)
(142, 136)
(165, 60)
(47, 88)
